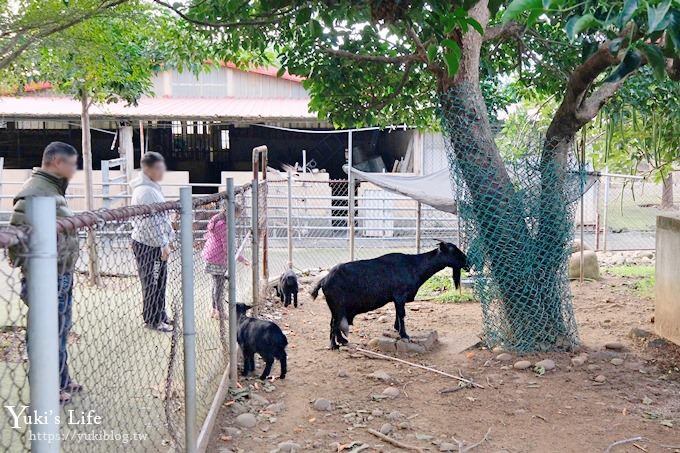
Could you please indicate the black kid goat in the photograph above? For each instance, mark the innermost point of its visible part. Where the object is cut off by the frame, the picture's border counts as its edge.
(361, 286)
(262, 337)
(287, 288)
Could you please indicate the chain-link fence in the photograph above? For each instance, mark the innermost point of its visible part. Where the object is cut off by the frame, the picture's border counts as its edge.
(619, 212)
(121, 324)
(315, 215)
(14, 390)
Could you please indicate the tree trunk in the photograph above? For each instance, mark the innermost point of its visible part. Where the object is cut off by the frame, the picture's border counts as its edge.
(667, 192)
(522, 268)
(93, 260)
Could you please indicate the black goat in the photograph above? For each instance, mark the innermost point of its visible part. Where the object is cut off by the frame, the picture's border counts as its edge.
(287, 288)
(361, 286)
(262, 337)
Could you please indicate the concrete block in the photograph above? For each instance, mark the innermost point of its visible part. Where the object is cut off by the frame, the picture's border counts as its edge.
(667, 309)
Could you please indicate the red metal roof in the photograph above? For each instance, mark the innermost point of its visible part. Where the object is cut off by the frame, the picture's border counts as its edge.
(211, 109)
(268, 71)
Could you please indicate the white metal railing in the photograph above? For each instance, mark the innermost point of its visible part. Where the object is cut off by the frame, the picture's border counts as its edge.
(108, 181)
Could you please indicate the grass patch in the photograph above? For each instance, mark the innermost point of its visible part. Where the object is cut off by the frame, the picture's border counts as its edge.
(644, 276)
(439, 288)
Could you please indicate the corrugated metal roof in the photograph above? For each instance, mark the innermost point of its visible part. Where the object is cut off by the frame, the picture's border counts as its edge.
(211, 109)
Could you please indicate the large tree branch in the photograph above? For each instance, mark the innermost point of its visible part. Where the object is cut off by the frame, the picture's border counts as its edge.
(267, 19)
(401, 59)
(505, 31)
(379, 104)
(592, 104)
(9, 53)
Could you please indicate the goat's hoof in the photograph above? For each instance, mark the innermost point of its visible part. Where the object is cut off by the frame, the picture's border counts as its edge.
(283, 376)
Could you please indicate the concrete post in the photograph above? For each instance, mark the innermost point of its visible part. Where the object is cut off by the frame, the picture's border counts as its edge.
(188, 319)
(43, 327)
(667, 306)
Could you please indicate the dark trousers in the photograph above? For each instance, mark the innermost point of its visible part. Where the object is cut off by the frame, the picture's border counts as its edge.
(153, 273)
(65, 300)
(218, 291)
(64, 320)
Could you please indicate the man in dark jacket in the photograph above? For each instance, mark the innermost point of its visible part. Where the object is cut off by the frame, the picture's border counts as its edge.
(59, 164)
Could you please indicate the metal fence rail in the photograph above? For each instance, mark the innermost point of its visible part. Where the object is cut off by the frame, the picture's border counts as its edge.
(620, 213)
(309, 223)
(309, 220)
(137, 382)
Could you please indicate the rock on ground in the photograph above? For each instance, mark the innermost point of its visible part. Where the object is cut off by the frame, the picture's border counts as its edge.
(522, 365)
(392, 392)
(504, 357)
(322, 404)
(288, 447)
(246, 420)
(386, 428)
(546, 364)
(578, 360)
(614, 345)
(591, 268)
(380, 375)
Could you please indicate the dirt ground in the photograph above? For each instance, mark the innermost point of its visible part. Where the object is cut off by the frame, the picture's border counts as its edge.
(563, 410)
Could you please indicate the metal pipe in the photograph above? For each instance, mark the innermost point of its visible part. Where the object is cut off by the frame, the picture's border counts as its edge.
(231, 265)
(304, 161)
(106, 184)
(336, 131)
(290, 219)
(418, 226)
(350, 196)
(188, 319)
(604, 212)
(260, 157)
(43, 329)
(255, 245)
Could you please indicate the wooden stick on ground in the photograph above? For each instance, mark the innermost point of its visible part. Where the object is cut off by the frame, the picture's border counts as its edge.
(423, 367)
(463, 449)
(394, 442)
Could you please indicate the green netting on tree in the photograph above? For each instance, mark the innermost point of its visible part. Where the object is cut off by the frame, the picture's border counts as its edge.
(517, 222)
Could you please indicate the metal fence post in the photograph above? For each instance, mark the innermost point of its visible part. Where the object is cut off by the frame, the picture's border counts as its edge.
(231, 247)
(606, 209)
(255, 244)
(418, 225)
(43, 329)
(188, 318)
(350, 196)
(290, 219)
(106, 184)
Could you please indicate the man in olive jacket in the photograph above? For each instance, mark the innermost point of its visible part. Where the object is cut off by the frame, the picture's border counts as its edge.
(59, 164)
